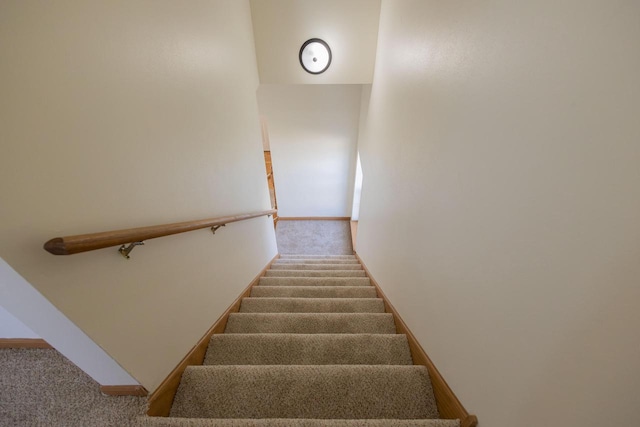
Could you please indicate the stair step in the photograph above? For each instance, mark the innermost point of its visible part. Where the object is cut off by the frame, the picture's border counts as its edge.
(316, 267)
(314, 281)
(316, 261)
(285, 256)
(308, 349)
(315, 273)
(311, 323)
(314, 291)
(315, 391)
(311, 305)
(290, 422)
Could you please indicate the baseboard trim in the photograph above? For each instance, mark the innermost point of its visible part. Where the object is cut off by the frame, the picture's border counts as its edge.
(448, 404)
(161, 399)
(123, 390)
(24, 343)
(314, 218)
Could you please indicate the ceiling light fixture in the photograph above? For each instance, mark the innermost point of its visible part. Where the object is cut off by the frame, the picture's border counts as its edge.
(315, 56)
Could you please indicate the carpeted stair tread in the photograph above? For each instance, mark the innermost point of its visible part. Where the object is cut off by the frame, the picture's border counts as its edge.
(315, 273)
(314, 291)
(315, 261)
(290, 422)
(314, 281)
(290, 256)
(310, 323)
(308, 349)
(314, 391)
(311, 305)
(311, 346)
(298, 266)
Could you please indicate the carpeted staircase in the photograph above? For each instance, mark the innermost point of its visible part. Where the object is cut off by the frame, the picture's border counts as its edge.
(312, 346)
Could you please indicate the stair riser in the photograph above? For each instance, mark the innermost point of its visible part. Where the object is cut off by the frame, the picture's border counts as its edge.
(315, 273)
(312, 349)
(312, 305)
(313, 291)
(303, 323)
(338, 392)
(314, 281)
(316, 267)
(353, 257)
(292, 422)
(316, 261)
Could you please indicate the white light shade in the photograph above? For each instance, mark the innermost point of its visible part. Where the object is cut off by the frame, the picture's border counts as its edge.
(315, 56)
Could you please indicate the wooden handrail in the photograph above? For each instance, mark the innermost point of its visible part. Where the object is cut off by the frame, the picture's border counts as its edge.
(88, 242)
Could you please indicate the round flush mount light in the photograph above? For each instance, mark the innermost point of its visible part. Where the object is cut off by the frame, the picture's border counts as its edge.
(315, 56)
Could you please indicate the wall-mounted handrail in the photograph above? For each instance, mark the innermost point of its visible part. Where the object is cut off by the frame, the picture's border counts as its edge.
(70, 245)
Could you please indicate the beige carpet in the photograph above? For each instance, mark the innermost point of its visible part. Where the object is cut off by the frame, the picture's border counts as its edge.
(39, 387)
(307, 351)
(316, 237)
(305, 391)
(289, 422)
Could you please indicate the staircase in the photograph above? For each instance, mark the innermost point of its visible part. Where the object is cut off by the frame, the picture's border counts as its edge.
(312, 346)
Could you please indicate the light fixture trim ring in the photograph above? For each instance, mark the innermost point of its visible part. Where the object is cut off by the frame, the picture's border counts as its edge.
(325, 45)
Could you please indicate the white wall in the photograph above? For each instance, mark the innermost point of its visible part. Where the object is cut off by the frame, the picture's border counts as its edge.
(362, 127)
(350, 27)
(10, 327)
(313, 133)
(23, 301)
(501, 201)
(116, 115)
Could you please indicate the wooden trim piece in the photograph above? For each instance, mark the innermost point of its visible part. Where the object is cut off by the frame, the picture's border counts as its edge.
(24, 343)
(314, 218)
(448, 404)
(123, 390)
(88, 242)
(354, 233)
(161, 399)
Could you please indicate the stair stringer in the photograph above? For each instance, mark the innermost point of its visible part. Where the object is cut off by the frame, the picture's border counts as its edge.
(161, 399)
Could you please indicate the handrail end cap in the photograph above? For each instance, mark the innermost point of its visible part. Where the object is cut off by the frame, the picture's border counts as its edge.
(56, 246)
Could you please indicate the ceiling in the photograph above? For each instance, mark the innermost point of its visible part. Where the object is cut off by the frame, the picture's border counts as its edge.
(350, 27)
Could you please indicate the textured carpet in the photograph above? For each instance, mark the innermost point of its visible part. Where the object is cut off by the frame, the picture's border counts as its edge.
(308, 349)
(40, 387)
(316, 267)
(311, 305)
(297, 256)
(314, 237)
(314, 291)
(310, 323)
(311, 346)
(275, 422)
(315, 261)
(303, 280)
(313, 391)
(316, 273)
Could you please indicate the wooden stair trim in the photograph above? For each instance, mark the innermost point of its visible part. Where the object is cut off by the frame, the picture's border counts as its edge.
(354, 233)
(448, 404)
(24, 343)
(123, 390)
(161, 399)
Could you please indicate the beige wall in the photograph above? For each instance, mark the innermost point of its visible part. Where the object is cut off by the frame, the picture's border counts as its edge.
(116, 115)
(313, 133)
(501, 201)
(350, 27)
